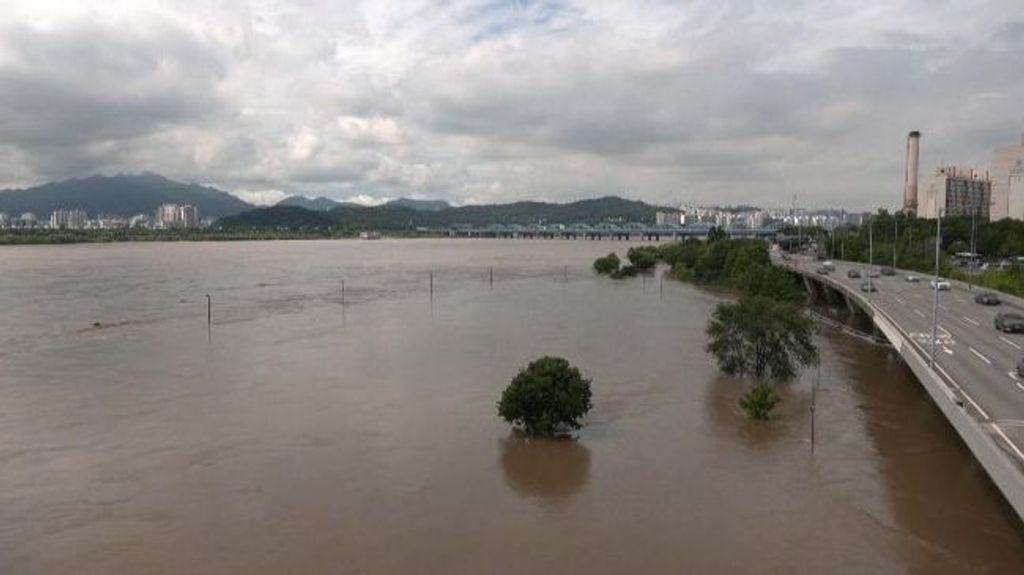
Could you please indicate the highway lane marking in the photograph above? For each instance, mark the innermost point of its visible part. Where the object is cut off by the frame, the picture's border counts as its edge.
(1012, 375)
(947, 350)
(945, 332)
(1009, 342)
(971, 320)
(962, 392)
(918, 312)
(1007, 440)
(899, 300)
(977, 353)
(943, 307)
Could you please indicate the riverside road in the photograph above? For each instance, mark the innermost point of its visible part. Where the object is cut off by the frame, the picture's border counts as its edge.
(978, 359)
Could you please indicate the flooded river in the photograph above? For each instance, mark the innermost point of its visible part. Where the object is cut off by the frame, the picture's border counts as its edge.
(298, 435)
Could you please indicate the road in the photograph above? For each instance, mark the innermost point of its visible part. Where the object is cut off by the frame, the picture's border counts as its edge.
(970, 352)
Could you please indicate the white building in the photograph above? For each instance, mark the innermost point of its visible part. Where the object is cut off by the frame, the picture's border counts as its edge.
(177, 216)
(1008, 182)
(956, 192)
(68, 219)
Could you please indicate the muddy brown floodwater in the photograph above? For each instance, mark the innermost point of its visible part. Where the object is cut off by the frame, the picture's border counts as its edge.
(301, 436)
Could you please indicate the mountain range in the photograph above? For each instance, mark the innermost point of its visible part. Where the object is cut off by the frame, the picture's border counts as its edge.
(327, 204)
(400, 217)
(120, 195)
(130, 194)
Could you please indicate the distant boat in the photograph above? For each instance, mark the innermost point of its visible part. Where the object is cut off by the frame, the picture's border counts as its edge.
(369, 235)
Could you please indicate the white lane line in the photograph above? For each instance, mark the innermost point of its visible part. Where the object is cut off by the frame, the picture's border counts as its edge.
(1009, 342)
(945, 332)
(1007, 440)
(901, 302)
(918, 312)
(971, 320)
(977, 353)
(947, 350)
(1012, 375)
(942, 307)
(962, 392)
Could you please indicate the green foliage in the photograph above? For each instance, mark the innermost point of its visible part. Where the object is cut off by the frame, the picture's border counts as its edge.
(546, 398)
(626, 271)
(760, 400)
(740, 264)
(608, 264)
(761, 337)
(643, 258)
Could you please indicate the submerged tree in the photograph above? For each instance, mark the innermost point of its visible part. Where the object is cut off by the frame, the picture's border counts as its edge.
(608, 264)
(759, 400)
(547, 397)
(761, 337)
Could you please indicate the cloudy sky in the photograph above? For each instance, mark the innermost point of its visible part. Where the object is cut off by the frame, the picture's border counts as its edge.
(476, 101)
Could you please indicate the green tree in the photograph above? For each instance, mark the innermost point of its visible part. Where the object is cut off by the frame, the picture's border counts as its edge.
(760, 400)
(761, 337)
(546, 397)
(608, 264)
(643, 258)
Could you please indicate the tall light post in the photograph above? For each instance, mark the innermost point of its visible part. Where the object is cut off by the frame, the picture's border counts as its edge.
(895, 236)
(970, 268)
(935, 283)
(871, 253)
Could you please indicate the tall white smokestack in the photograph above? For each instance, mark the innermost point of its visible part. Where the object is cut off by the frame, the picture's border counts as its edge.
(910, 180)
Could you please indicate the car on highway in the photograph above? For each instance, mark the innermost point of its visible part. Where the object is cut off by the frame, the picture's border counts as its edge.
(913, 279)
(853, 274)
(1009, 322)
(868, 287)
(987, 298)
(827, 264)
(888, 271)
(822, 271)
(941, 285)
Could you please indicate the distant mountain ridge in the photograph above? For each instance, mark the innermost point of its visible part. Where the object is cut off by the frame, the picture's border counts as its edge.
(120, 195)
(325, 204)
(400, 217)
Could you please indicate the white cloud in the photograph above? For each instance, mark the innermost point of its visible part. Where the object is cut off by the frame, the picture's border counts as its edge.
(480, 101)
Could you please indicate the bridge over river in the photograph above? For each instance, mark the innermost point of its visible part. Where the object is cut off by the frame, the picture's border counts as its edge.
(973, 379)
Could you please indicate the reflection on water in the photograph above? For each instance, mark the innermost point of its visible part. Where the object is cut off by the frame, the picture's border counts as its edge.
(547, 468)
(307, 437)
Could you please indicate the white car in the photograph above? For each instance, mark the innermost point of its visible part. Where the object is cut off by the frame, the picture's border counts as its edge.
(913, 279)
(941, 285)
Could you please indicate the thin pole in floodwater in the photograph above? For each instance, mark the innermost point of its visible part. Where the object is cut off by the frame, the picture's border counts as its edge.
(431, 286)
(661, 286)
(491, 279)
(814, 404)
(342, 293)
(209, 311)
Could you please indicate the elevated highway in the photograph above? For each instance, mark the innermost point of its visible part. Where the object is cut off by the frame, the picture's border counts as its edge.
(973, 378)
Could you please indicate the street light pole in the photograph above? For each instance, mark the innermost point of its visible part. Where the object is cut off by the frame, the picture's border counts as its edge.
(895, 237)
(871, 253)
(970, 267)
(935, 283)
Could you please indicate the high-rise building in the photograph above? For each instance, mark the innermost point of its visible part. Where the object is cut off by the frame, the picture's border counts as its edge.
(910, 194)
(957, 192)
(68, 219)
(1008, 182)
(177, 216)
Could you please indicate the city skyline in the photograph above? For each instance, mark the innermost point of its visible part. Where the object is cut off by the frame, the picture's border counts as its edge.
(483, 102)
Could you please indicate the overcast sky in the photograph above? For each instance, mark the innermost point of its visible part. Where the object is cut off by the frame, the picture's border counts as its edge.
(717, 101)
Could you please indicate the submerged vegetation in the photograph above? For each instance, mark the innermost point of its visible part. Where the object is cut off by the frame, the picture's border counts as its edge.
(764, 335)
(546, 398)
(608, 264)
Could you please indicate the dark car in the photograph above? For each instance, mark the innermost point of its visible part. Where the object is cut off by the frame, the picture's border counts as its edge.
(1010, 322)
(853, 274)
(887, 271)
(868, 287)
(822, 271)
(1020, 367)
(987, 298)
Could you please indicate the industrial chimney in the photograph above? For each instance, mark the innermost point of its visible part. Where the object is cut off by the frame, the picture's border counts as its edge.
(910, 180)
